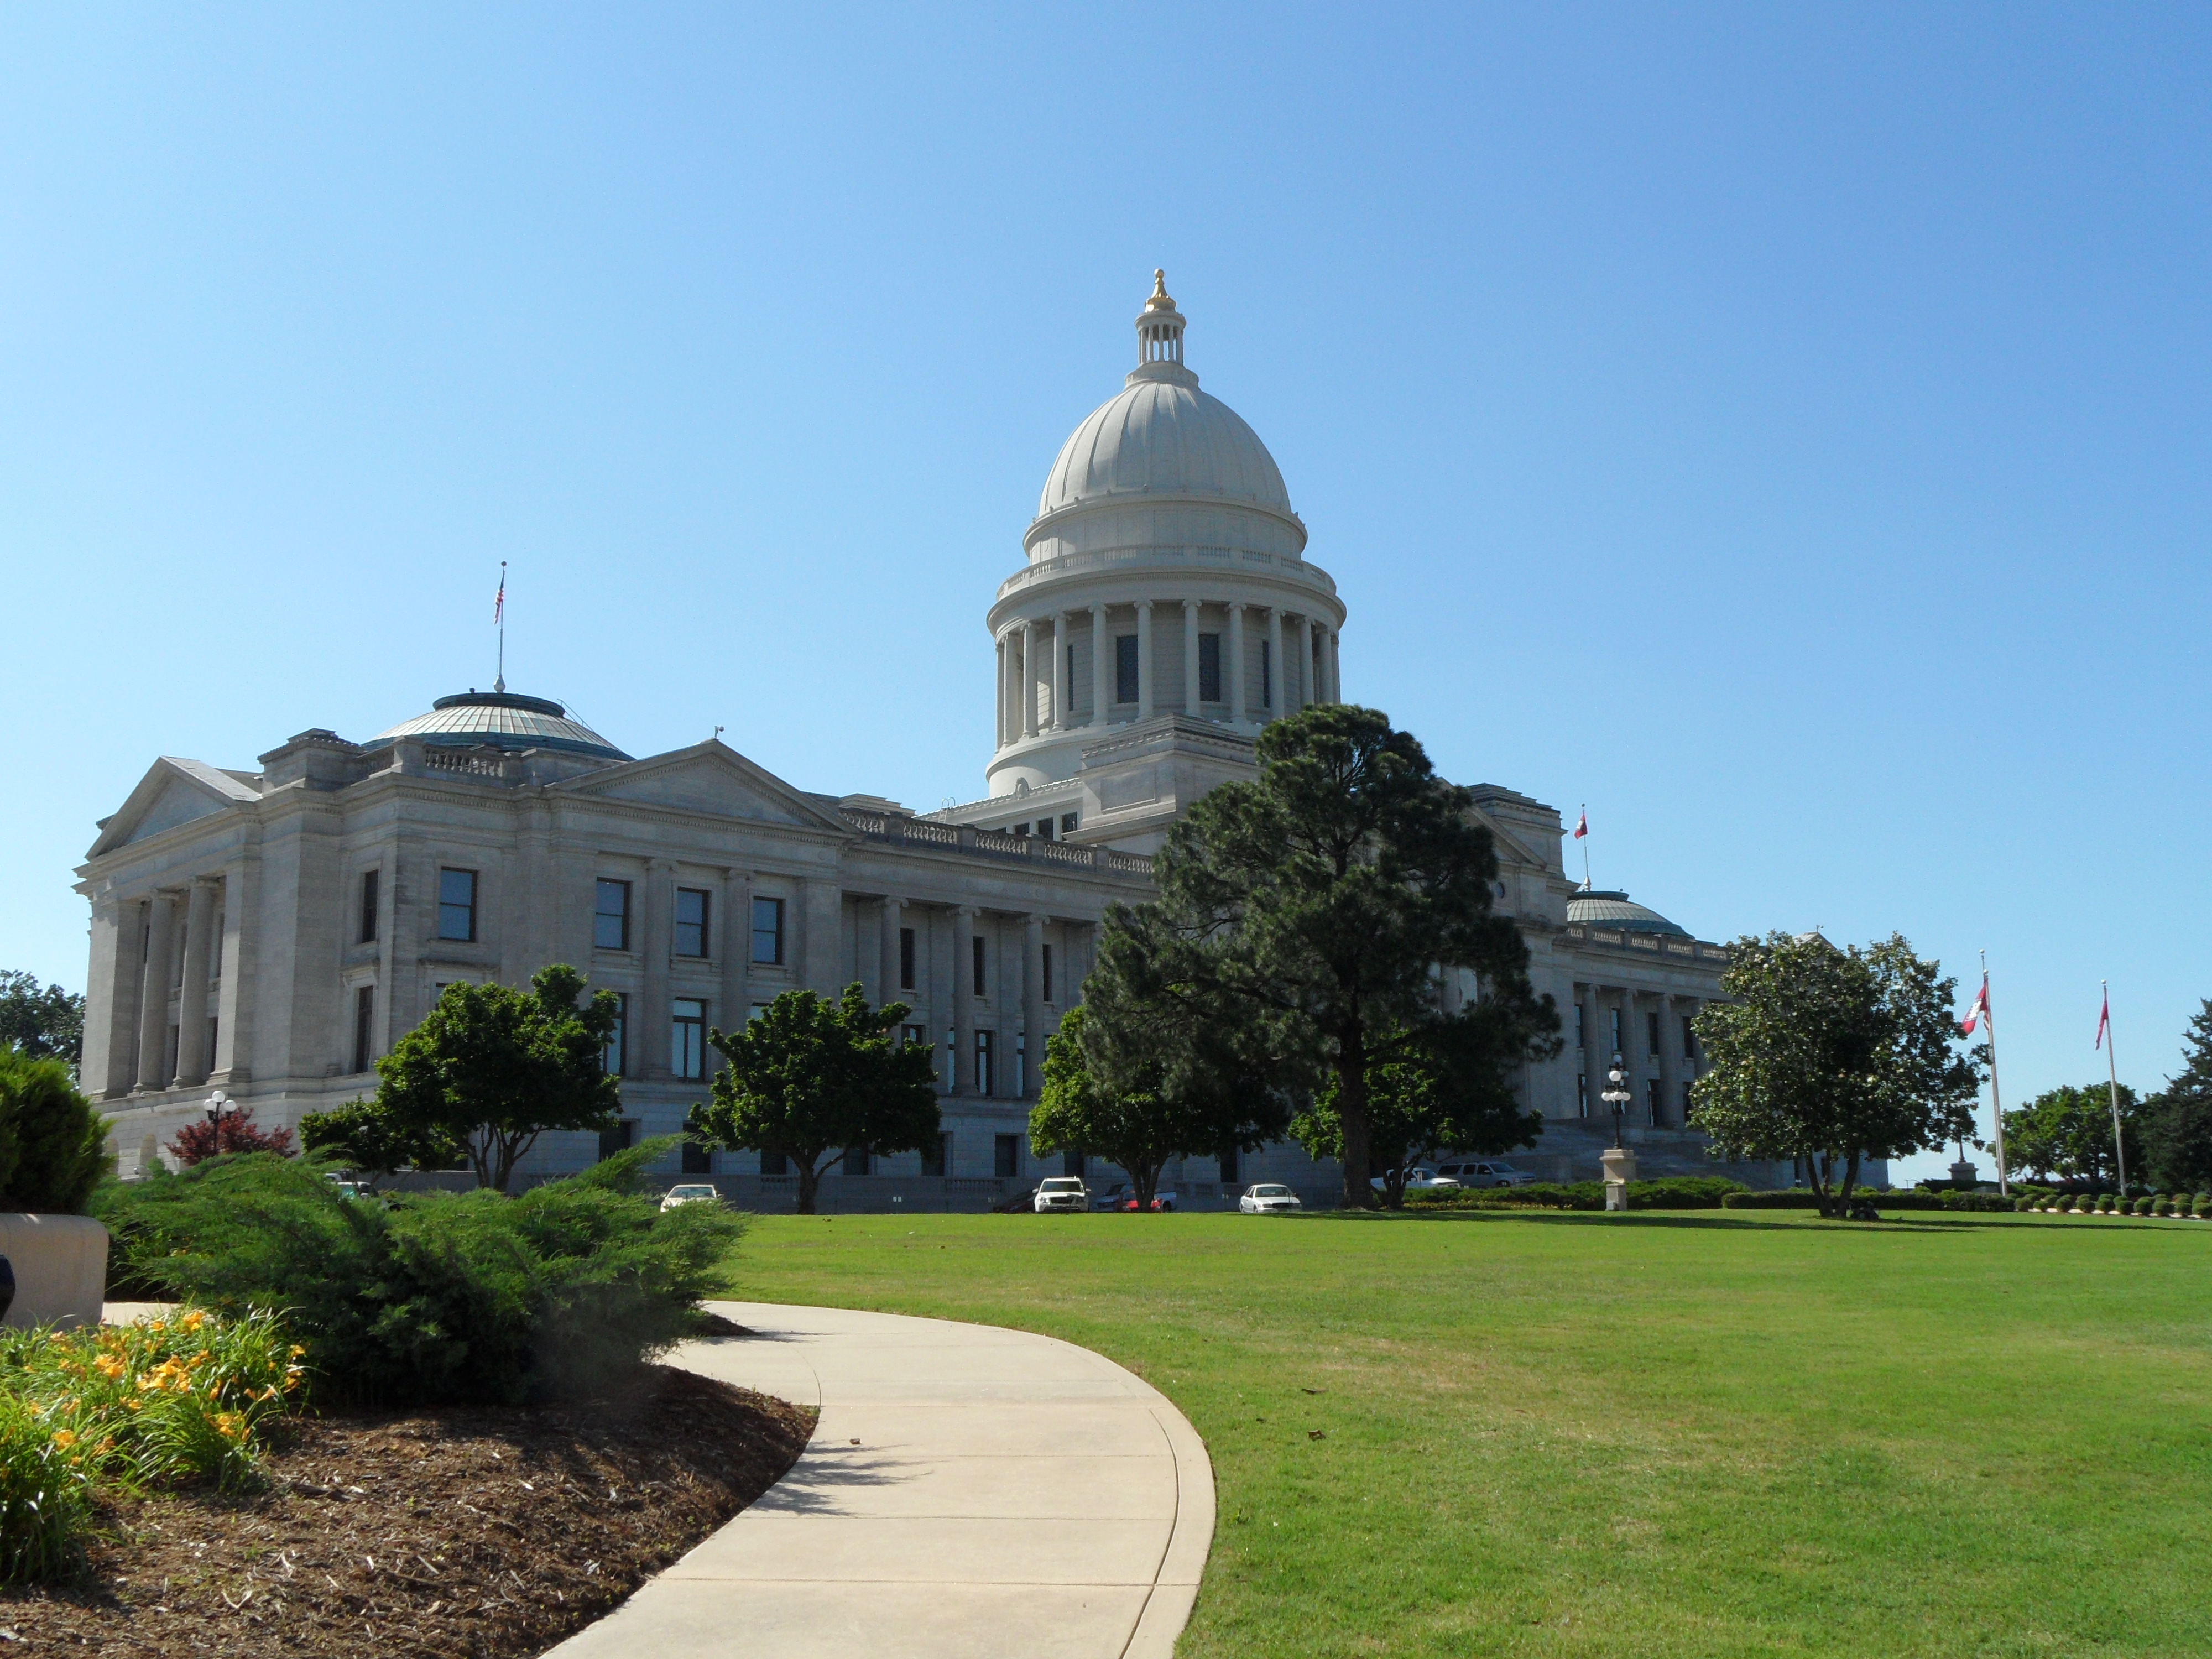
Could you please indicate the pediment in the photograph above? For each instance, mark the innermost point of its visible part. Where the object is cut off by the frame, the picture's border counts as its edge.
(173, 792)
(711, 778)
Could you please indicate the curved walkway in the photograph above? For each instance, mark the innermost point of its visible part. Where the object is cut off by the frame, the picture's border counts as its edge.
(968, 1491)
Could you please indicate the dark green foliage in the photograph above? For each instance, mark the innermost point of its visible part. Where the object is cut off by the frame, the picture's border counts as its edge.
(812, 1078)
(2177, 1122)
(1301, 916)
(46, 1025)
(375, 1140)
(53, 1145)
(491, 1068)
(434, 1298)
(2066, 1133)
(1667, 1193)
(1828, 1058)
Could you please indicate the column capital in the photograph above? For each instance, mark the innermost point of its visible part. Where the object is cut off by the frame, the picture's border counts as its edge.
(1192, 604)
(1143, 604)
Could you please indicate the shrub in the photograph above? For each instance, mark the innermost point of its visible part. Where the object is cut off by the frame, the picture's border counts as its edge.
(234, 1132)
(2142, 1206)
(53, 1145)
(432, 1297)
(1667, 1193)
(1968, 1199)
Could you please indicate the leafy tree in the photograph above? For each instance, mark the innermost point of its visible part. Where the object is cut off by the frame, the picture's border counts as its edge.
(1832, 1057)
(53, 1143)
(812, 1078)
(2067, 1133)
(46, 1025)
(234, 1132)
(1141, 1111)
(1447, 1085)
(491, 1068)
(1304, 912)
(2178, 1122)
(374, 1141)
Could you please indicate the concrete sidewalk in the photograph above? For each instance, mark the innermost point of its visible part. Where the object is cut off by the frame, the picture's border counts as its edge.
(968, 1491)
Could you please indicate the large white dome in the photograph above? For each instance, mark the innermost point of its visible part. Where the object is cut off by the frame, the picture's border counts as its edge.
(1162, 436)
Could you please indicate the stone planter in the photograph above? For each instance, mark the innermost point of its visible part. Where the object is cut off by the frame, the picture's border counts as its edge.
(61, 1268)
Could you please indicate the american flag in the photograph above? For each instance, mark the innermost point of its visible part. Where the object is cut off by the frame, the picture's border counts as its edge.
(499, 600)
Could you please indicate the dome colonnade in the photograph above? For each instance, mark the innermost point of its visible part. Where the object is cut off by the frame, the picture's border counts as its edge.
(1166, 575)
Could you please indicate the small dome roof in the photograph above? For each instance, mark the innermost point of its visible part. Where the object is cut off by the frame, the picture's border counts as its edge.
(501, 720)
(1604, 907)
(1162, 436)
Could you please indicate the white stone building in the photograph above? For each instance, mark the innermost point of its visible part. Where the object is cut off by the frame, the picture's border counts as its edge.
(270, 932)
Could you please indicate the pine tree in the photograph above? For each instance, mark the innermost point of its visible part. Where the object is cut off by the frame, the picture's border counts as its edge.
(2177, 1129)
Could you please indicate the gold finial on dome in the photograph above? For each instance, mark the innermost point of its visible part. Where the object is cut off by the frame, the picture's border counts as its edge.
(1159, 301)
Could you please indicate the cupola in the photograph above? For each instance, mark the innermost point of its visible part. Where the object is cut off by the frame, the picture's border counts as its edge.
(1159, 339)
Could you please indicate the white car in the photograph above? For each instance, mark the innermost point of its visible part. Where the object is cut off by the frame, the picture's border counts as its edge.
(1490, 1172)
(695, 1193)
(1267, 1198)
(1061, 1195)
(1420, 1181)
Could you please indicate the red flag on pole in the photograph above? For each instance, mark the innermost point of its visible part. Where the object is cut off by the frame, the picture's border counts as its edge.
(1978, 1013)
(2104, 1020)
(1582, 825)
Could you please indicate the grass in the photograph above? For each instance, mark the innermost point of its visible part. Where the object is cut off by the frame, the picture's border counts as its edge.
(1657, 1435)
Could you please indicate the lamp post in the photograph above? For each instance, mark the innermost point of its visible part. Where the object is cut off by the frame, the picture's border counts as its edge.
(1619, 1162)
(220, 1106)
(1617, 1097)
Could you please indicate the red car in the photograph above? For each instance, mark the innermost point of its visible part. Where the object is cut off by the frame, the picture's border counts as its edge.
(1163, 1199)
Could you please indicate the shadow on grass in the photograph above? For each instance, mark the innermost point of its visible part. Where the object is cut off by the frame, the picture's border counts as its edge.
(1767, 1222)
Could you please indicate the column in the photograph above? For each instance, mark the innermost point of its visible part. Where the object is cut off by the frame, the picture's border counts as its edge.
(1670, 1040)
(1032, 1004)
(1305, 692)
(1062, 679)
(1001, 686)
(1191, 705)
(737, 947)
(1101, 666)
(892, 990)
(660, 898)
(1335, 678)
(192, 1057)
(1632, 1064)
(1594, 1055)
(964, 999)
(1694, 1066)
(153, 992)
(1143, 660)
(1275, 704)
(233, 1017)
(1026, 683)
(111, 999)
(1237, 662)
(821, 936)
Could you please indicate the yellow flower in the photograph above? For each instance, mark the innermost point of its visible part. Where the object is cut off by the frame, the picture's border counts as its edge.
(297, 1350)
(194, 1320)
(134, 1405)
(64, 1438)
(109, 1365)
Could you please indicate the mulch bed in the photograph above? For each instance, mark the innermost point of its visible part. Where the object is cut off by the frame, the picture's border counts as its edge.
(476, 1531)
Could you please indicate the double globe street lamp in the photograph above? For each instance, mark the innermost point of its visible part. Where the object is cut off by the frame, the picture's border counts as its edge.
(1619, 1162)
(1617, 1097)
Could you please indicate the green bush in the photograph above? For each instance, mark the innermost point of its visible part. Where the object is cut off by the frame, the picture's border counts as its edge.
(53, 1145)
(2142, 1206)
(1975, 1202)
(1667, 1193)
(434, 1298)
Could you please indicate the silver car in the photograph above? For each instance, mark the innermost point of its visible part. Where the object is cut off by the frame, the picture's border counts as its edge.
(1267, 1198)
(1490, 1172)
(700, 1193)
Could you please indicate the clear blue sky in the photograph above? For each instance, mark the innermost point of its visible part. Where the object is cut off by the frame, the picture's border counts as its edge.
(1782, 428)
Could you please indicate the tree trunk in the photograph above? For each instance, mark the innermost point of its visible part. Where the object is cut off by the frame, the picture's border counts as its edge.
(1352, 1114)
(1816, 1172)
(1850, 1180)
(1145, 1182)
(809, 1179)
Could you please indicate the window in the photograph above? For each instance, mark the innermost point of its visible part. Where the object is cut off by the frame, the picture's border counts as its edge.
(937, 1157)
(1209, 668)
(611, 925)
(1044, 829)
(768, 930)
(1228, 1163)
(612, 1057)
(982, 956)
(1072, 681)
(1067, 822)
(697, 1160)
(906, 958)
(1689, 1039)
(1686, 1102)
(856, 1160)
(775, 1164)
(364, 1026)
(1267, 675)
(1070, 1164)
(1581, 1021)
(620, 1139)
(457, 904)
(1048, 973)
(1614, 1014)
(1125, 668)
(1021, 828)
(693, 937)
(983, 1064)
(1006, 1156)
(1651, 1031)
(1021, 1063)
(1651, 1099)
(367, 934)
(687, 1040)
(1582, 1094)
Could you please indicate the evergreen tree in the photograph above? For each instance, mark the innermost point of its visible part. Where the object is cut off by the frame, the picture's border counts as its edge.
(2177, 1126)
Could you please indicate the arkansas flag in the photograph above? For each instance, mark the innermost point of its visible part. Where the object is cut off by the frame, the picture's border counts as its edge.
(2104, 1021)
(1979, 1012)
(1582, 825)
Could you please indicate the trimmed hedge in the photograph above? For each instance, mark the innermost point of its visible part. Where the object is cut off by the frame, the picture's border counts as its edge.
(1801, 1198)
(1668, 1193)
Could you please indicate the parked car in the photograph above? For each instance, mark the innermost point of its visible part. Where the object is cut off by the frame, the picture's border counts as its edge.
(692, 1193)
(1420, 1181)
(1113, 1198)
(1489, 1172)
(1165, 1199)
(1267, 1198)
(1061, 1196)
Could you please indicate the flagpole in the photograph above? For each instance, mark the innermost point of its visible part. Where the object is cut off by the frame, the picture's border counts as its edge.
(1996, 1101)
(2112, 1074)
(500, 682)
(1585, 823)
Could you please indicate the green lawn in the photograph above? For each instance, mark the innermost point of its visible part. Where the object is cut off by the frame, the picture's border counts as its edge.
(1649, 1435)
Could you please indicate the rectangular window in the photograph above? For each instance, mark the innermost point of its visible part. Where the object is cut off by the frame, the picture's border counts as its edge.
(937, 1156)
(1021, 1065)
(1068, 823)
(982, 956)
(1209, 668)
(364, 1027)
(1021, 828)
(612, 1057)
(1125, 668)
(1072, 1163)
(983, 1064)
(1044, 828)
(1651, 1099)
(1048, 973)
(697, 1160)
(611, 925)
(1651, 1031)
(1613, 1014)
(1689, 1039)
(1072, 681)
(775, 1164)
(768, 931)
(1228, 1164)
(856, 1160)
(620, 1139)
(368, 933)
(906, 958)
(1582, 1022)
(1006, 1156)
(693, 937)
(1582, 1094)
(457, 905)
(687, 1038)
(1267, 675)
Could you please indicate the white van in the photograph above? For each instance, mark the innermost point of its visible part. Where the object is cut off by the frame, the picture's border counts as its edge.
(1489, 1172)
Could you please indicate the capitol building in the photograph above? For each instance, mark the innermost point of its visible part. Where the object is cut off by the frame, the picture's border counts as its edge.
(270, 932)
